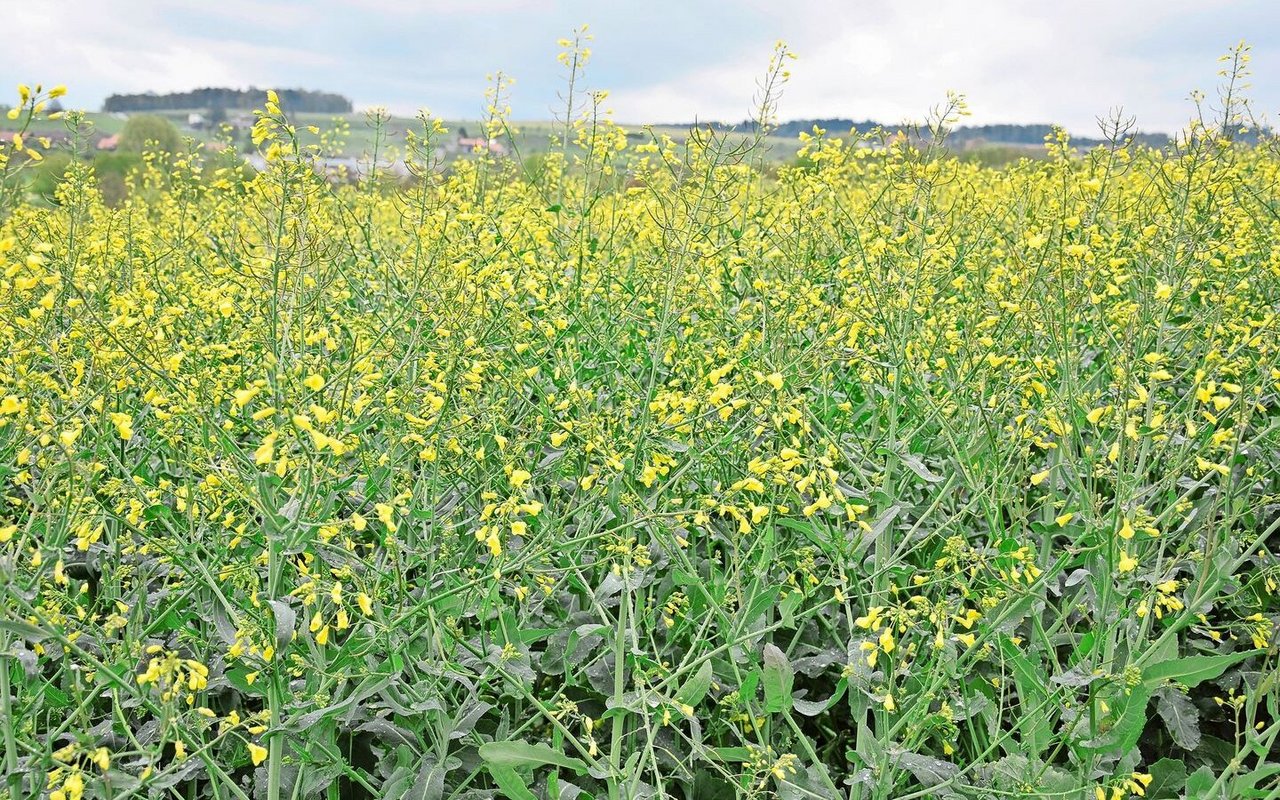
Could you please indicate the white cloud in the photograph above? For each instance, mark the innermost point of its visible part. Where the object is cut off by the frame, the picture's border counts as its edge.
(121, 49)
(667, 60)
(1016, 62)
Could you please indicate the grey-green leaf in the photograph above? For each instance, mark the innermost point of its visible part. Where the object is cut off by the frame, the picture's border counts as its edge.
(1191, 670)
(1199, 783)
(523, 754)
(510, 783)
(286, 619)
(1168, 777)
(696, 687)
(23, 630)
(778, 679)
(916, 465)
(1180, 716)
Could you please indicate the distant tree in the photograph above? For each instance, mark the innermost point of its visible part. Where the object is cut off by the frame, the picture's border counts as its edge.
(145, 128)
(957, 137)
(292, 100)
(112, 171)
(48, 174)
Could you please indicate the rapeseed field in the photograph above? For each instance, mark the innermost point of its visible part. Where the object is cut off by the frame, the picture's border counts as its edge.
(651, 470)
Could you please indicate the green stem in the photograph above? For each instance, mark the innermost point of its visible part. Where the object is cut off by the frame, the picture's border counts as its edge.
(12, 777)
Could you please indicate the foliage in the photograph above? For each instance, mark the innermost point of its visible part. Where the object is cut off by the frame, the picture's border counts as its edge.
(646, 476)
(958, 135)
(293, 100)
(996, 156)
(48, 174)
(149, 132)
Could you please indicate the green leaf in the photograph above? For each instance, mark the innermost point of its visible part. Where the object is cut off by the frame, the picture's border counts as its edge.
(157, 511)
(1168, 777)
(1124, 734)
(928, 770)
(510, 783)
(523, 754)
(916, 465)
(286, 619)
(731, 754)
(778, 679)
(696, 687)
(23, 630)
(1032, 695)
(1246, 785)
(1180, 716)
(1199, 783)
(760, 603)
(1192, 670)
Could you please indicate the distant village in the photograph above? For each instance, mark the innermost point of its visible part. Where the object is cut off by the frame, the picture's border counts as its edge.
(217, 117)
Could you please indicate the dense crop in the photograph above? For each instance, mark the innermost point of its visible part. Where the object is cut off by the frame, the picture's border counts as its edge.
(650, 474)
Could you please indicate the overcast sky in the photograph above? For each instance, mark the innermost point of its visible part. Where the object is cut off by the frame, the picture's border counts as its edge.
(1032, 61)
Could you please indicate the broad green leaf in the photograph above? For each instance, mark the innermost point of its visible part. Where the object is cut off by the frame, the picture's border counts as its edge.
(1192, 670)
(1180, 716)
(760, 603)
(1199, 783)
(1168, 777)
(696, 687)
(523, 754)
(1032, 694)
(1246, 785)
(778, 679)
(286, 619)
(731, 754)
(916, 465)
(928, 770)
(1128, 727)
(23, 630)
(510, 783)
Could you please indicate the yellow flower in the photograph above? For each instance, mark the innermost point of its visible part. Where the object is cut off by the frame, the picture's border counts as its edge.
(313, 382)
(124, 425)
(1039, 477)
(870, 619)
(265, 453)
(242, 397)
(70, 436)
(257, 753)
(386, 515)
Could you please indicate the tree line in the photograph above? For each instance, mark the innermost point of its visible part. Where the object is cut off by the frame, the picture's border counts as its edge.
(297, 100)
(958, 136)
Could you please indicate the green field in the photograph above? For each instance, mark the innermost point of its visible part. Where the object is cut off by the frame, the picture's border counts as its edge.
(662, 470)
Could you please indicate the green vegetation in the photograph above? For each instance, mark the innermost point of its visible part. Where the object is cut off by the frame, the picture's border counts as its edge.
(149, 132)
(643, 469)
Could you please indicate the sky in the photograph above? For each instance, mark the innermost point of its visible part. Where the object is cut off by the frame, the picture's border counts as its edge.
(1017, 61)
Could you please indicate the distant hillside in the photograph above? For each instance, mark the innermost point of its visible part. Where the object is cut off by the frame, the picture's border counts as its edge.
(962, 136)
(298, 100)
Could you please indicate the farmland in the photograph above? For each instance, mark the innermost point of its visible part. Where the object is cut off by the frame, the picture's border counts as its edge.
(664, 471)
